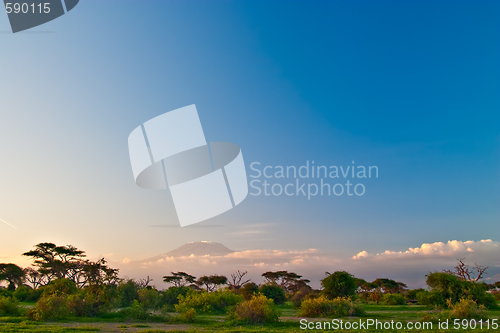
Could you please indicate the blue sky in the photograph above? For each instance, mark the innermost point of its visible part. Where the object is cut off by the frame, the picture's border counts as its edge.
(409, 86)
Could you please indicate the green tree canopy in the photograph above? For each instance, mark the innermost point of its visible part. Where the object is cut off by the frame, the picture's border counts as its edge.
(179, 279)
(339, 284)
(56, 261)
(211, 282)
(390, 286)
(288, 281)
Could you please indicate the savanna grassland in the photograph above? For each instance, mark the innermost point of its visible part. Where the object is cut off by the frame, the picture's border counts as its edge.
(64, 292)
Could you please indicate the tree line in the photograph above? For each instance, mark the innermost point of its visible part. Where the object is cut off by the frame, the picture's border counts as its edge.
(62, 276)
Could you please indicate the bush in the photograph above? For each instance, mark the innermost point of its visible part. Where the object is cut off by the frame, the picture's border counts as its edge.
(5, 292)
(479, 293)
(449, 287)
(258, 310)
(170, 297)
(431, 298)
(299, 295)
(393, 299)
(150, 298)
(248, 290)
(188, 315)
(274, 292)
(339, 284)
(463, 309)
(216, 302)
(27, 294)
(9, 306)
(375, 296)
(60, 287)
(94, 300)
(412, 294)
(53, 307)
(324, 307)
(136, 311)
(129, 292)
(61, 299)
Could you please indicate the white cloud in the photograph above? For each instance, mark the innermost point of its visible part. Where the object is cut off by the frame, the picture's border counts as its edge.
(452, 249)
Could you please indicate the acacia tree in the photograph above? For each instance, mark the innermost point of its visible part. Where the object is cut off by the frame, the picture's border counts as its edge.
(13, 274)
(390, 286)
(465, 273)
(57, 261)
(288, 281)
(212, 282)
(97, 273)
(364, 286)
(179, 279)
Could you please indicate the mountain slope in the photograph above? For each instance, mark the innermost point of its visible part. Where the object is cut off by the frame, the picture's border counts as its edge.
(196, 249)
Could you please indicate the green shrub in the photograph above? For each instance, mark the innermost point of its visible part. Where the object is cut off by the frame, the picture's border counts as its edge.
(203, 302)
(274, 292)
(299, 295)
(463, 309)
(339, 284)
(94, 300)
(258, 310)
(61, 299)
(188, 315)
(449, 287)
(60, 287)
(431, 298)
(479, 293)
(9, 306)
(150, 298)
(393, 299)
(324, 307)
(53, 307)
(412, 294)
(136, 311)
(27, 294)
(248, 290)
(5, 292)
(170, 297)
(129, 291)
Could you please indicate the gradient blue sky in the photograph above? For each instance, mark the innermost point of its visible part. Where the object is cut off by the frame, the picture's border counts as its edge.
(409, 86)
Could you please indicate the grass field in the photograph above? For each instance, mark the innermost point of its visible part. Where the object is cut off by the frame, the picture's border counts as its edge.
(212, 323)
